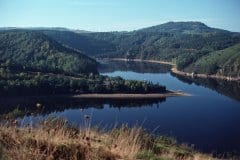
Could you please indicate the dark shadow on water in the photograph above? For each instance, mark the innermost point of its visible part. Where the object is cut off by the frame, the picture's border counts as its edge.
(227, 88)
(139, 67)
(55, 103)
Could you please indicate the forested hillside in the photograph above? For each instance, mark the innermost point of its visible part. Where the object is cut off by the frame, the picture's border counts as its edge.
(31, 63)
(34, 51)
(83, 42)
(223, 62)
(180, 42)
(184, 43)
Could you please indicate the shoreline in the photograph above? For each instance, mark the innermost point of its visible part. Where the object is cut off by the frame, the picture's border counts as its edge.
(109, 95)
(130, 95)
(212, 76)
(182, 73)
(140, 60)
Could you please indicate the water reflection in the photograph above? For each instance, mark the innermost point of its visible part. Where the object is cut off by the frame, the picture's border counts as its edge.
(207, 119)
(139, 67)
(227, 88)
(61, 103)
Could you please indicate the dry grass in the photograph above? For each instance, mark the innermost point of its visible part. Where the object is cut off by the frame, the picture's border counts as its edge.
(56, 139)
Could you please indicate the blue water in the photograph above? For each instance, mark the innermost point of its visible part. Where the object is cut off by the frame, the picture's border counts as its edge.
(208, 120)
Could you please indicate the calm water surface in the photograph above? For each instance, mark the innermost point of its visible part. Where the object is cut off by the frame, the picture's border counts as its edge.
(209, 119)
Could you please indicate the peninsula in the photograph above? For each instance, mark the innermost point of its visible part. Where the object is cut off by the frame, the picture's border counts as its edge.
(38, 65)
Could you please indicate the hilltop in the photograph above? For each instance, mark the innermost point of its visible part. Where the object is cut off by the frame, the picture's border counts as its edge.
(61, 56)
(182, 43)
(182, 27)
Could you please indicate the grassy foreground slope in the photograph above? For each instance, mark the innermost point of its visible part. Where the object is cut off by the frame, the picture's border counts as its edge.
(56, 139)
(224, 62)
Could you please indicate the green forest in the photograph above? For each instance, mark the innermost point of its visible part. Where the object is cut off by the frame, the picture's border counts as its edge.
(180, 42)
(34, 51)
(34, 64)
(59, 61)
(25, 83)
(223, 62)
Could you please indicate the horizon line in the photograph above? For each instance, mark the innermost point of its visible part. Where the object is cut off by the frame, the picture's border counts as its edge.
(80, 29)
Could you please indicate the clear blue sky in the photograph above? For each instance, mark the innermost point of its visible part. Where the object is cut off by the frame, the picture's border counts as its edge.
(111, 15)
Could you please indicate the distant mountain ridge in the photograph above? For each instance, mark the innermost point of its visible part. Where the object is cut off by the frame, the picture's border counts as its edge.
(182, 27)
(171, 26)
(182, 43)
(43, 28)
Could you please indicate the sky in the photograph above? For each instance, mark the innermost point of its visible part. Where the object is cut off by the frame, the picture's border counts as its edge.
(118, 15)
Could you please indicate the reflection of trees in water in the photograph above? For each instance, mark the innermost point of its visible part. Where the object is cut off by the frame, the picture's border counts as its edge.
(139, 67)
(50, 104)
(227, 88)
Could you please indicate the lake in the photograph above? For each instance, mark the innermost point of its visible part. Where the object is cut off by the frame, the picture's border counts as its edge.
(209, 119)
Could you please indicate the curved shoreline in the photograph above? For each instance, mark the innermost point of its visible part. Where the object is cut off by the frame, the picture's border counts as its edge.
(168, 93)
(176, 71)
(213, 76)
(139, 60)
(130, 95)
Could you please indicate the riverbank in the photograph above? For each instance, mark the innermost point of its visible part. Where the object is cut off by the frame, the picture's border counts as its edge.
(55, 138)
(176, 71)
(140, 60)
(130, 96)
(213, 76)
